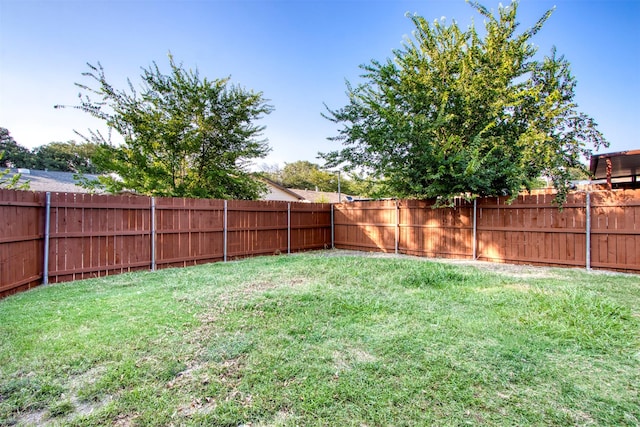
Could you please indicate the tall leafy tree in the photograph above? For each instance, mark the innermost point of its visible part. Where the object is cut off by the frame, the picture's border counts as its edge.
(303, 174)
(11, 181)
(67, 156)
(183, 135)
(460, 112)
(13, 154)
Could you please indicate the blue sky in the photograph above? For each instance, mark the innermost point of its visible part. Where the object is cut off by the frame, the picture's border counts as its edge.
(297, 52)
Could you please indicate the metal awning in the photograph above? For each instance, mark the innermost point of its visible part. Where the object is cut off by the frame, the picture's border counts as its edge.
(623, 164)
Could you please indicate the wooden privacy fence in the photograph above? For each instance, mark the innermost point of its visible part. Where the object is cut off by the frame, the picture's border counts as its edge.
(56, 237)
(593, 230)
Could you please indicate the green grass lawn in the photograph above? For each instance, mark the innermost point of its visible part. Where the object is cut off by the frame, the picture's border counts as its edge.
(314, 339)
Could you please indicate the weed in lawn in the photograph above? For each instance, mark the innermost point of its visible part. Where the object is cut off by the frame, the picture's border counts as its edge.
(439, 276)
(29, 392)
(227, 346)
(62, 408)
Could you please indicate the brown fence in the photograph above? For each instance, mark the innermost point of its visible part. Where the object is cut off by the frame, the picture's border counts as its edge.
(83, 235)
(21, 240)
(599, 230)
(96, 235)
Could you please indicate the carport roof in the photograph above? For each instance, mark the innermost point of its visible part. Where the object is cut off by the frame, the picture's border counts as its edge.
(623, 164)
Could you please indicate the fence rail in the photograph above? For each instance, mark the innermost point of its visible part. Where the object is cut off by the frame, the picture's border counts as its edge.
(98, 235)
(601, 230)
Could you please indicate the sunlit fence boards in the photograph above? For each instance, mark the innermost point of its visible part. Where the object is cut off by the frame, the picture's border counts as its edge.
(596, 230)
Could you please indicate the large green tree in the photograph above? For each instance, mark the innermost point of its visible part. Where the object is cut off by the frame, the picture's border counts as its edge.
(183, 136)
(462, 112)
(13, 154)
(67, 156)
(303, 174)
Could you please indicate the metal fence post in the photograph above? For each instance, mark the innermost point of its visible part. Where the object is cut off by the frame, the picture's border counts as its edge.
(588, 231)
(47, 226)
(475, 229)
(333, 242)
(397, 236)
(153, 234)
(289, 227)
(224, 232)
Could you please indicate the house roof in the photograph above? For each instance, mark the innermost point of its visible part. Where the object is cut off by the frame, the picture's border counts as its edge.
(64, 182)
(320, 196)
(310, 195)
(283, 189)
(56, 182)
(623, 164)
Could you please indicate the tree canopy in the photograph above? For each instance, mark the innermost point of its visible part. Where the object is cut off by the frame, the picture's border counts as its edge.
(183, 136)
(303, 175)
(13, 154)
(306, 175)
(67, 156)
(460, 112)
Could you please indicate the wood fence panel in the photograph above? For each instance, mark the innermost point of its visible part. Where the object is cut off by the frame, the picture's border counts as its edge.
(189, 231)
(367, 226)
(97, 235)
(21, 240)
(436, 232)
(615, 227)
(310, 226)
(532, 230)
(256, 228)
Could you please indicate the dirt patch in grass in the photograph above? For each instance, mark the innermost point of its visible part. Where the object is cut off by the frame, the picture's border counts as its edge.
(32, 418)
(243, 294)
(86, 378)
(344, 359)
(198, 406)
(189, 375)
(70, 405)
(44, 417)
(126, 420)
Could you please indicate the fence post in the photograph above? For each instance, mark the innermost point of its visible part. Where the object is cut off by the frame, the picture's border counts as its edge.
(333, 242)
(47, 226)
(289, 227)
(475, 229)
(224, 232)
(397, 237)
(153, 234)
(588, 231)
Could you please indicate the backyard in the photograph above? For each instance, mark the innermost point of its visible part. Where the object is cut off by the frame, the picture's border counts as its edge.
(325, 338)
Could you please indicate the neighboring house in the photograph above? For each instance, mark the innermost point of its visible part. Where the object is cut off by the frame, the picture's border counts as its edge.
(55, 182)
(65, 182)
(278, 192)
(321, 196)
